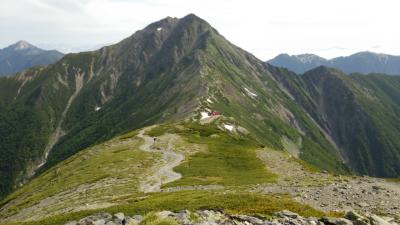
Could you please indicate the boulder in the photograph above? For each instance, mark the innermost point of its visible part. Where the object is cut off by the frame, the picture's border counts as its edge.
(356, 218)
(137, 217)
(72, 223)
(133, 220)
(388, 219)
(111, 223)
(165, 214)
(287, 213)
(376, 220)
(99, 222)
(183, 217)
(119, 216)
(336, 221)
(250, 219)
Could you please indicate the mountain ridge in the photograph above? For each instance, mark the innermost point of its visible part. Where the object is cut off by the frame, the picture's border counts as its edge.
(171, 74)
(361, 62)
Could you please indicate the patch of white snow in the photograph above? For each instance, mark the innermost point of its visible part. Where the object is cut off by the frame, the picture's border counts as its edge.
(204, 115)
(159, 29)
(97, 108)
(250, 93)
(229, 127)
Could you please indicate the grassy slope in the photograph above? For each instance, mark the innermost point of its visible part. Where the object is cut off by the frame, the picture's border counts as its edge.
(228, 159)
(229, 74)
(118, 161)
(231, 201)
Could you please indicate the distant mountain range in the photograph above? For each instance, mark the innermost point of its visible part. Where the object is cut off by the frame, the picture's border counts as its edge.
(362, 62)
(22, 55)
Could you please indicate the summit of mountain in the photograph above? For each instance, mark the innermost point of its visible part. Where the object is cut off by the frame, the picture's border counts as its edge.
(23, 55)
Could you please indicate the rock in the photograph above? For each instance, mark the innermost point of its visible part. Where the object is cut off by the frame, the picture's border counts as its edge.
(105, 216)
(183, 217)
(72, 223)
(360, 222)
(324, 205)
(374, 187)
(119, 216)
(336, 221)
(250, 219)
(212, 217)
(133, 220)
(99, 222)
(351, 215)
(387, 219)
(165, 214)
(137, 217)
(287, 213)
(275, 222)
(111, 223)
(362, 204)
(376, 220)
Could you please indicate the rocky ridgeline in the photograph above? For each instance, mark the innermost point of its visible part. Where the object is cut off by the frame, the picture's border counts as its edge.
(209, 217)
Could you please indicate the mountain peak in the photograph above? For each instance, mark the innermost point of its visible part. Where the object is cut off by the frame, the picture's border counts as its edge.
(167, 21)
(324, 72)
(171, 21)
(21, 45)
(192, 16)
(309, 58)
(23, 55)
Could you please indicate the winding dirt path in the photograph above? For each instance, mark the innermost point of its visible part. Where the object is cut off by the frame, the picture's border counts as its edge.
(163, 170)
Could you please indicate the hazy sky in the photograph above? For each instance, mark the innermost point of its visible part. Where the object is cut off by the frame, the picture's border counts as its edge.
(264, 27)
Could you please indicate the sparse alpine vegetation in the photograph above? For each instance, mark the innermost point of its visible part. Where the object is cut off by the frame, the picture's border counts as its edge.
(238, 178)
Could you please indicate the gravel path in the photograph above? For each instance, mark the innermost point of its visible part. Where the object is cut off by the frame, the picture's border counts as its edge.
(163, 170)
(328, 192)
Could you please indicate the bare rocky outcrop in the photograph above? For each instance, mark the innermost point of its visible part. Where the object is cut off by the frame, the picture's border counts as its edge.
(211, 217)
(328, 192)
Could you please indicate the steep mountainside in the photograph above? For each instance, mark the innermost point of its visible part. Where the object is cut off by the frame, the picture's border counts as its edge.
(362, 62)
(172, 70)
(22, 55)
(89, 97)
(359, 112)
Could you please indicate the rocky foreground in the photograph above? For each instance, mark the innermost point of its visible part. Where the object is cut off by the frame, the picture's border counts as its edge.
(210, 217)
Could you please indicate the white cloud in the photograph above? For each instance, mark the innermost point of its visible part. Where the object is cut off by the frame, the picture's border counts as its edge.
(263, 27)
